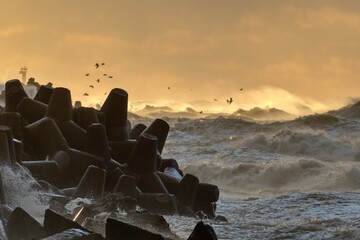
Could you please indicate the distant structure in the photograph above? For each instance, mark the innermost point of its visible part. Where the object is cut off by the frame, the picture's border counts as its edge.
(23, 72)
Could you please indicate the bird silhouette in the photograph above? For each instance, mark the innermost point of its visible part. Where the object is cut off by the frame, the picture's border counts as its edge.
(86, 94)
(92, 86)
(168, 87)
(241, 89)
(201, 112)
(105, 93)
(215, 100)
(110, 76)
(97, 80)
(97, 65)
(104, 74)
(103, 64)
(87, 74)
(229, 101)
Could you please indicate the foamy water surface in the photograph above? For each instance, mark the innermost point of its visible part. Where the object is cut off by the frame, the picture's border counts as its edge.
(285, 180)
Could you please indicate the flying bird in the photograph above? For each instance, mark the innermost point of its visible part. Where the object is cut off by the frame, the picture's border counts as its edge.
(241, 89)
(87, 74)
(105, 93)
(102, 64)
(215, 100)
(97, 65)
(110, 76)
(98, 80)
(229, 101)
(104, 74)
(169, 87)
(201, 112)
(86, 94)
(92, 86)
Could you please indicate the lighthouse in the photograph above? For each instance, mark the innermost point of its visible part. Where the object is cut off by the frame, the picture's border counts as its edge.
(23, 72)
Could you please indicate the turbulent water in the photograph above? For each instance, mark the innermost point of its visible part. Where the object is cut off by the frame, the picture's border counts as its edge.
(297, 179)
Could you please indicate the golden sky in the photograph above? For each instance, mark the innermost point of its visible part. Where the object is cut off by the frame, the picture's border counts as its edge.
(283, 53)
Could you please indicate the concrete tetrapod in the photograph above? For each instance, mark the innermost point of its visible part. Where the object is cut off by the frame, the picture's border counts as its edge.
(115, 110)
(92, 184)
(8, 132)
(60, 109)
(44, 93)
(15, 92)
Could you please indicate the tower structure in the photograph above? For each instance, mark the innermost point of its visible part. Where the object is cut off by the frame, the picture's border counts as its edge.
(23, 72)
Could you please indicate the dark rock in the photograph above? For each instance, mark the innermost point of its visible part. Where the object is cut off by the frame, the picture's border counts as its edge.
(14, 94)
(43, 138)
(160, 129)
(92, 184)
(207, 192)
(168, 162)
(137, 130)
(85, 116)
(43, 170)
(143, 156)
(74, 234)
(203, 232)
(151, 183)
(31, 109)
(4, 151)
(115, 110)
(121, 150)
(55, 223)
(21, 225)
(96, 142)
(220, 218)
(116, 230)
(10, 144)
(13, 120)
(155, 221)
(44, 93)
(160, 203)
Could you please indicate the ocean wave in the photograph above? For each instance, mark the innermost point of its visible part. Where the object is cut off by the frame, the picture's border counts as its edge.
(317, 144)
(280, 176)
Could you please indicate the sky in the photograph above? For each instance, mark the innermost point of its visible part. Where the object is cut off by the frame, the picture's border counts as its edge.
(285, 54)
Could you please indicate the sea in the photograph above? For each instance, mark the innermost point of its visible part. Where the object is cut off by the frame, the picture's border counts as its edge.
(293, 179)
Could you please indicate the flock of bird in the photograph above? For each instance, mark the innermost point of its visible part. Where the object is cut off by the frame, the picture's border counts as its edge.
(97, 65)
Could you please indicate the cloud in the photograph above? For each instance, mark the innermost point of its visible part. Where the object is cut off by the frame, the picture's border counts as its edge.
(307, 48)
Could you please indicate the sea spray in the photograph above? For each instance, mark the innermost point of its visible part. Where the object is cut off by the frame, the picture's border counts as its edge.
(23, 191)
